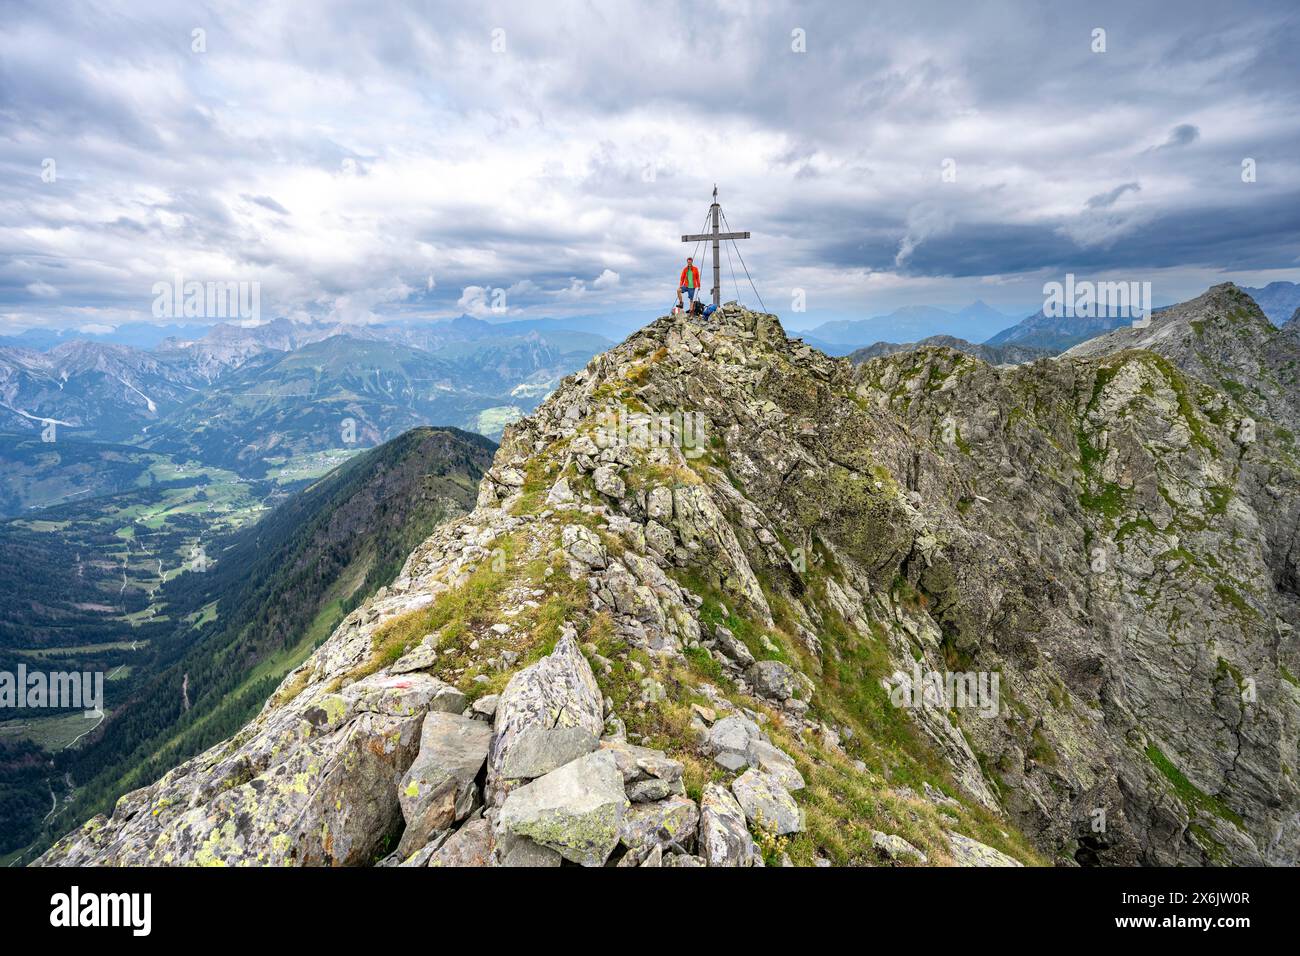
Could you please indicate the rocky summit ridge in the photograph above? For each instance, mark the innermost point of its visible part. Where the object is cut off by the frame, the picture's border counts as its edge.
(715, 598)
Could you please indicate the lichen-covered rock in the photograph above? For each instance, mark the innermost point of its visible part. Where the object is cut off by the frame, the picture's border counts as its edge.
(561, 493)
(576, 810)
(732, 647)
(772, 679)
(968, 852)
(522, 852)
(315, 784)
(729, 741)
(549, 714)
(607, 481)
(776, 763)
(663, 823)
(647, 774)
(423, 657)
(471, 845)
(659, 504)
(584, 547)
(724, 837)
(439, 790)
(896, 848)
(703, 529)
(767, 804)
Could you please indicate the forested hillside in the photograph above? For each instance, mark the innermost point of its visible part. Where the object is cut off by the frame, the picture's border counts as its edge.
(272, 592)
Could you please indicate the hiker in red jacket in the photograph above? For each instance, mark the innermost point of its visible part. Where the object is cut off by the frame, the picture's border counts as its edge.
(688, 283)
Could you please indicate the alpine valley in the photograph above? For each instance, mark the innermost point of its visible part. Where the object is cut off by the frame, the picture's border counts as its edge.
(140, 487)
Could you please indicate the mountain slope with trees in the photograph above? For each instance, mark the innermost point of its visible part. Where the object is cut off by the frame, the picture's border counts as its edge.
(272, 592)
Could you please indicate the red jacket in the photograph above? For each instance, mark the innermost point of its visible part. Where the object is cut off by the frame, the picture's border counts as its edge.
(695, 274)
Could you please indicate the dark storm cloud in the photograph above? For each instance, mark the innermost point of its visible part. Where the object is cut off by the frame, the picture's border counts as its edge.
(1181, 135)
(1229, 237)
(1106, 199)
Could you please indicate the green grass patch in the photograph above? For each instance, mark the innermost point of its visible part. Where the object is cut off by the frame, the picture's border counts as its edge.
(1191, 796)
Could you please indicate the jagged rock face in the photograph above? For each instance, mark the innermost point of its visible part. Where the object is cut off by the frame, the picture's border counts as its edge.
(1087, 539)
(548, 715)
(1224, 339)
(1126, 562)
(1091, 531)
(438, 790)
(1011, 354)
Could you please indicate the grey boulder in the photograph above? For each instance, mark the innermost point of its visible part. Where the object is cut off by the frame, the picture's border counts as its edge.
(576, 810)
(724, 837)
(549, 714)
(968, 852)
(438, 790)
(661, 824)
(767, 805)
(772, 679)
(896, 848)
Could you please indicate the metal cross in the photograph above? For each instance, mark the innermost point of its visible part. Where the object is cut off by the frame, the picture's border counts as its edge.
(716, 237)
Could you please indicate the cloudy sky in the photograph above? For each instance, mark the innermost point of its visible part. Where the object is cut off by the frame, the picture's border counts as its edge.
(372, 160)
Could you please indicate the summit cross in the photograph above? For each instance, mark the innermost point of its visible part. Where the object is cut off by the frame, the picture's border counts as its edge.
(716, 237)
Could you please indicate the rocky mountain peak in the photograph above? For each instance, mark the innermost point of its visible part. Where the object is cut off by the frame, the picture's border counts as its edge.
(1292, 325)
(1223, 338)
(725, 600)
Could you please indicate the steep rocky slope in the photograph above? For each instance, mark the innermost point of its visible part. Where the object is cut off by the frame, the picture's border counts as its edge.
(993, 354)
(1225, 339)
(920, 610)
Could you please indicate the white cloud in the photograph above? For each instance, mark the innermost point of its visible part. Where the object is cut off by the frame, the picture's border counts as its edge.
(576, 290)
(345, 159)
(483, 303)
(359, 307)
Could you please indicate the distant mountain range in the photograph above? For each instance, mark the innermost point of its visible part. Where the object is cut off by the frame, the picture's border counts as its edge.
(1056, 334)
(240, 415)
(272, 389)
(92, 389)
(974, 323)
(343, 391)
(140, 335)
(148, 335)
